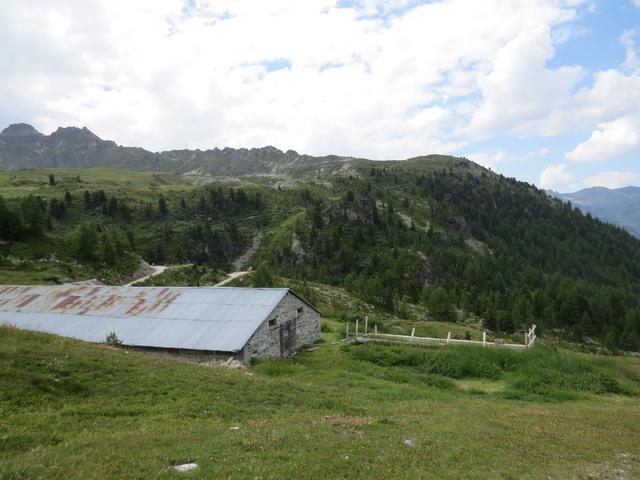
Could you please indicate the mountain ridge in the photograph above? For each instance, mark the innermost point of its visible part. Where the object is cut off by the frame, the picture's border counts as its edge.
(22, 146)
(619, 206)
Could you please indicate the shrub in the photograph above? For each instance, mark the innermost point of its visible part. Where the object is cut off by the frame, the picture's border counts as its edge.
(326, 328)
(112, 339)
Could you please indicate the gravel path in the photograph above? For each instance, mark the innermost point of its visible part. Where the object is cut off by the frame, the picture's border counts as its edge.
(157, 270)
(232, 276)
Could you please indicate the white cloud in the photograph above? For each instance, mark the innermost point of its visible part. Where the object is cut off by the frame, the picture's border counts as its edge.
(565, 33)
(508, 100)
(612, 179)
(628, 41)
(383, 78)
(555, 176)
(610, 140)
(553, 107)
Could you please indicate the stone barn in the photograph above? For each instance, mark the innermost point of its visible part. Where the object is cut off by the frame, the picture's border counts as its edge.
(199, 323)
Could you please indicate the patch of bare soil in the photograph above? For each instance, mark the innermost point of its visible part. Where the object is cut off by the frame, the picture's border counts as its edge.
(624, 466)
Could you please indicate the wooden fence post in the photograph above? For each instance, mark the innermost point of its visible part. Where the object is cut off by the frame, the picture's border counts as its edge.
(375, 328)
(366, 324)
(484, 339)
(448, 337)
(413, 332)
(347, 330)
(356, 328)
(532, 336)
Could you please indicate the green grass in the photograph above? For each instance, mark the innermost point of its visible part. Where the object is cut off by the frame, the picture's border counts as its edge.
(71, 410)
(539, 373)
(18, 183)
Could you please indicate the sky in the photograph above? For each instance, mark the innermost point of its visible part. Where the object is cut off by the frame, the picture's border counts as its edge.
(547, 91)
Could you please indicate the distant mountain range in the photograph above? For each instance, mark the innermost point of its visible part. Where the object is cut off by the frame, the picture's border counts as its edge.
(22, 146)
(618, 206)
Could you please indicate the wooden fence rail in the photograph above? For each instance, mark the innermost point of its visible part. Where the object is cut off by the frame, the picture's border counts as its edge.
(529, 339)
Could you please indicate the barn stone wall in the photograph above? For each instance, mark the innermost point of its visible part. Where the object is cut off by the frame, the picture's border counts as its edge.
(265, 342)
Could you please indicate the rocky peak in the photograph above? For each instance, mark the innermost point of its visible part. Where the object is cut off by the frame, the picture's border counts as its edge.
(269, 150)
(19, 130)
(74, 133)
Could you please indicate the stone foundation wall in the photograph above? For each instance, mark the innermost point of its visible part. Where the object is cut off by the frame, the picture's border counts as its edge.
(194, 356)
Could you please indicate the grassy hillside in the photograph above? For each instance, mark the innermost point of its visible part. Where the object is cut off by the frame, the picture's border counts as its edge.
(121, 215)
(70, 410)
(432, 238)
(466, 244)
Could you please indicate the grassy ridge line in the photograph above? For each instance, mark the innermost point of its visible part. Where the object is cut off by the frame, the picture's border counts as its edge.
(71, 410)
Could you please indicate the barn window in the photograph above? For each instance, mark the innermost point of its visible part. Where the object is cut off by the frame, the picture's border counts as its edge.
(273, 322)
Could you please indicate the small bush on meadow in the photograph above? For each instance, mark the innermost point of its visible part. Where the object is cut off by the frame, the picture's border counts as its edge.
(113, 340)
(326, 328)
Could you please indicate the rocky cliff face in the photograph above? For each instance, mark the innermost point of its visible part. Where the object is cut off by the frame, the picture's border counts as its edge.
(22, 146)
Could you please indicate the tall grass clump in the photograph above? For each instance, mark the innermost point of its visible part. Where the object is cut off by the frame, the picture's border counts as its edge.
(539, 373)
(452, 362)
(552, 374)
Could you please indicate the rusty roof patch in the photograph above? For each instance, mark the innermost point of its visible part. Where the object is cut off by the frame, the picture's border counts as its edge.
(68, 303)
(110, 301)
(137, 308)
(23, 302)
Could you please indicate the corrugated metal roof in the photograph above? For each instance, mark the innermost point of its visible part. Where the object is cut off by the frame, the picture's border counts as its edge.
(198, 318)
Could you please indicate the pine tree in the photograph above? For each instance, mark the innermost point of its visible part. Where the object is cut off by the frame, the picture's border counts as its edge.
(109, 252)
(630, 337)
(162, 206)
(33, 216)
(87, 242)
(262, 277)
(10, 225)
(440, 307)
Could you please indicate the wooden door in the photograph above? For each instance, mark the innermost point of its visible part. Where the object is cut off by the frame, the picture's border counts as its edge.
(287, 338)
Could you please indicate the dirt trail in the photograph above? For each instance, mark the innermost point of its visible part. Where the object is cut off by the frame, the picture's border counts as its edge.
(232, 276)
(157, 270)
